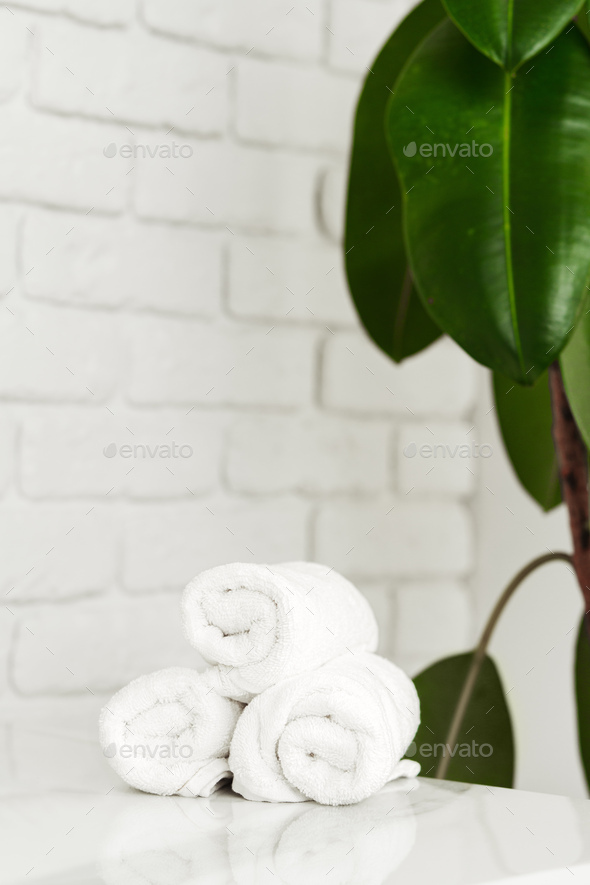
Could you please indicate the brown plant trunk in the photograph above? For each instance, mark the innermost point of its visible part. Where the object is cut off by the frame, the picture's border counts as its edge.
(572, 459)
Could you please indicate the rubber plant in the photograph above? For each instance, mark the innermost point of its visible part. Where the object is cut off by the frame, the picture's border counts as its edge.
(468, 215)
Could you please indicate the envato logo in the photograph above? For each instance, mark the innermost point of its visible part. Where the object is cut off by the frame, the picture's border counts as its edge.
(144, 451)
(472, 750)
(147, 751)
(148, 152)
(443, 150)
(473, 450)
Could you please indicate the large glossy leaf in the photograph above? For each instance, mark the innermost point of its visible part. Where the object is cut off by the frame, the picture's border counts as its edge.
(511, 31)
(575, 366)
(499, 243)
(378, 274)
(583, 696)
(525, 419)
(583, 20)
(486, 725)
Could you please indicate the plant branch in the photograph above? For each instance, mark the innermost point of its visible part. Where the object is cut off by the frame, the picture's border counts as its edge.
(480, 652)
(572, 459)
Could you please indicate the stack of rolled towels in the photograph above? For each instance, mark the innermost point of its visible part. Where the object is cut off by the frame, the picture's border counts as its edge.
(294, 706)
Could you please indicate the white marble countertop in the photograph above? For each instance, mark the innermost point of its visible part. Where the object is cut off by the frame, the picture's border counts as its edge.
(412, 833)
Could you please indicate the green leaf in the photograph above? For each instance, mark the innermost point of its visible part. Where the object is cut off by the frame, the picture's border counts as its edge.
(376, 264)
(487, 721)
(583, 696)
(575, 366)
(511, 31)
(525, 419)
(499, 242)
(583, 20)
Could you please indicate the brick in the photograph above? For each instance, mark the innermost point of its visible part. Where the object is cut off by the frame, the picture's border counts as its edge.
(9, 221)
(54, 551)
(275, 278)
(190, 363)
(77, 453)
(165, 546)
(274, 105)
(331, 202)
(273, 27)
(101, 12)
(315, 454)
(147, 80)
(7, 625)
(439, 457)
(95, 261)
(60, 161)
(8, 442)
(441, 380)
(422, 608)
(226, 184)
(13, 56)
(381, 598)
(104, 643)
(374, 540)
(6, 762)
(359, 28)
(58, 354)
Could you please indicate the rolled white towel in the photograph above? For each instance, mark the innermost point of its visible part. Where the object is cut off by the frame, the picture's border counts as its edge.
(260, 624)
(169, 733)
(336, 734)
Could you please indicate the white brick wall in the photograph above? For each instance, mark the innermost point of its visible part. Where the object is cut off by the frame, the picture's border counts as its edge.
(228, 185)
(52, 354)
(87, 453)
(419, 639)
(8, 442)
(315, 454)
(108, 263)
(148, 80)
(59, 161)
(274, 27)
(279, 278)
(53, 551)
(181, 362)
(164, 546)
(199, 301)
(356, 29)
(358, 377)
(395, 537)
(291, 105)
(49, 659)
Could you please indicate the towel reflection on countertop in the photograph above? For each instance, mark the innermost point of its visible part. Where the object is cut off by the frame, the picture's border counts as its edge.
(176, 841)
(167, 840)
(360, 844)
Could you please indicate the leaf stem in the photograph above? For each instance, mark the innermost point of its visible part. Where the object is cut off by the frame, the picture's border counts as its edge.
(572, 459)
(480, 652)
